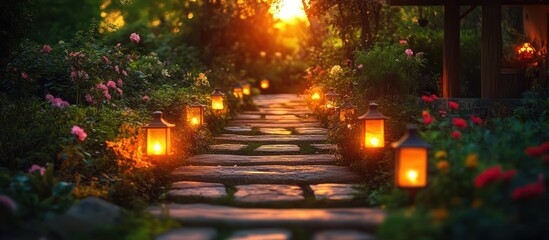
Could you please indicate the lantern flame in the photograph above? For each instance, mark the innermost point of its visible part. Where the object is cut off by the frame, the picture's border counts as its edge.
(264, 84)
(157, 149)
(194, 121)
(374, 142)
(246, 91)
(315, 96)
(412, 176)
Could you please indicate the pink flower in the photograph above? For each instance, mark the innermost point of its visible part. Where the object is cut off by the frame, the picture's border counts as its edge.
(46, 49)
(488, 176)
(442, 113)
(108, 96)
(124, 72)
(456, 134)
(453, 105)
(102, 87)
(427, 99)
(79, 133)
(476, 120)
(119, 82)
(459, 122)
(8, 202)
(106, 60)
(74, 74)
(434, 97)
(37, 168)
(89, 99)
(360, 66)
(117, 69)
(403, 42)
(24, 75)
(135, 37)
(50, 98)
(111, 84)
(58, 102)
(119, 91)
(409, 52)
(146, 98)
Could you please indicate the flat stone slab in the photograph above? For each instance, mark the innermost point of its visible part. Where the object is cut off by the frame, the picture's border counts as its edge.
(367, 219)
(238, 129)
(324, 146)
(260, 193)
(283, 117)
(311, 130)
(228, 147)
(275, 124)
(247, 116)
(276, 131)
(343, 235)
(288, 121)
(271, 138)
(272, 174)
(278, 148)
(263, 234)
(189, 234)
(197, 189)
(333, 191)
(278, 112)
(231, 160)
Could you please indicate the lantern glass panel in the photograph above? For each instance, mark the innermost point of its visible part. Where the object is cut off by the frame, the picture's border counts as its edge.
(246, 89)
(412, 168)
(237, 92)
(315, 96)
(217, 103)
(374, 133)
(157, 141)
(264, 84)
(194, 115)
(343, 113)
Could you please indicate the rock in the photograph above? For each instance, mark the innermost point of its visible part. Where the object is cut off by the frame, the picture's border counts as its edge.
(263, 234)
(197, 189)
(311, 130)
(275, 174)
(324, 147)
(279, 125)
(285, 117)
(367, 219)
(259, 193)
(238, 129)
(333, 191)
(231, 160)
(343, 235)
(278, 148)
(271, 138)
(247, 116)
(189, 234)
(276, 131)
(228, 147)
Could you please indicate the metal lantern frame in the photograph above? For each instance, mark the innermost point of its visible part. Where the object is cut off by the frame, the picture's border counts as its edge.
(411, 147)
(373, 116)
(331, 98)
(195, 111)
(237, 91)
(158, 126)
(346, 109)
(217, 99)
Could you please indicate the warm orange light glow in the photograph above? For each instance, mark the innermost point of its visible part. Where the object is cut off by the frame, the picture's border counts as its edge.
(195, 114)
(246, 89)
(156, 141)
(526, 51)
(343, 113)
(194, 121)
(288, 10)
(264, 84)
(374, 134)
(217, 103)
(315, 96)
(157, 149)
(237, 92)
(412, 167)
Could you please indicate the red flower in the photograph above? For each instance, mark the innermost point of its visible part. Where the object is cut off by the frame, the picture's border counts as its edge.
(427, 99)
(509, 175)
(528, 191)
(545, 147)
(476, 120)
(488, 176)
(425, 113)
(442, 112)
(434, 97)
(427, 120)
(459, 122)
(534, 151)
(453, 105)
(456, 134)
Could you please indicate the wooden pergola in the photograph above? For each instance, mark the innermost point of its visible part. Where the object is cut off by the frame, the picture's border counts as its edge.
(491, 55)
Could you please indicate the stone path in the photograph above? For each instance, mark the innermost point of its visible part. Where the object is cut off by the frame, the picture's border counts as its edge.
(272, 171)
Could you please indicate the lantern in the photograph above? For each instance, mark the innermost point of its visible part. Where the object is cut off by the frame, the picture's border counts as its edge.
(373, 128)
(331, 98)
(526, 51)
(195, 114)
(315, 96)
(246, 89)
(411, 160)
(264, 84)
(346, 109)
(217, 100)
(237, 91)
(158, 136)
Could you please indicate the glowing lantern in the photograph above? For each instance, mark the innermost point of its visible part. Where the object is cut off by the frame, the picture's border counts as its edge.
(346, 109)
(315, 96)
(158, 136)
(217, 100)
(373, 128)
(526, 51)
(331, 98)
(411, 160)
(237, 91)
(195, 114)
(246, 89)
(264, 84)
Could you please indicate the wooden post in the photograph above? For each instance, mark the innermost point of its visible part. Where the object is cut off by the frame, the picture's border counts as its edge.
(451, 64)
(491, 49)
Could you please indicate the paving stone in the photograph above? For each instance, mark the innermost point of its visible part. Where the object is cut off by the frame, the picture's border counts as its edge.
(276, 131)
(247, 116)
(189, 234)
(231, 160)
(279, 112)
(228, 147)
(197, 189)
(283, 117)
(271, 138)
(257, 193)
(325, 147)
(343, 235)
(333, 191)
(261, 234)
(278, 148)
(367, 219)
(312, 130)
(275, 174)
(297, 120)
(273, 124)
(238, 129)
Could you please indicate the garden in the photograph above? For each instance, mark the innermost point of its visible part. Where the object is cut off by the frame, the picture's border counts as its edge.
(270, 119)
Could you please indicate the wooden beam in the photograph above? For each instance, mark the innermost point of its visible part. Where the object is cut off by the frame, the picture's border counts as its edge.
(490, 62)
(451, 65)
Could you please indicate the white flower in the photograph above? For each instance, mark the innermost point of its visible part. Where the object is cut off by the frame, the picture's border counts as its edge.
(336, 70)
(165, 73)
(201, 80)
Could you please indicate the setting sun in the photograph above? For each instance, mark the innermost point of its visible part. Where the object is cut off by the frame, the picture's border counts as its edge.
(288, 10)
